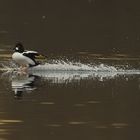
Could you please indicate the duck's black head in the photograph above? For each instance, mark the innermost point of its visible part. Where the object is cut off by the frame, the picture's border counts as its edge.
(19, 48)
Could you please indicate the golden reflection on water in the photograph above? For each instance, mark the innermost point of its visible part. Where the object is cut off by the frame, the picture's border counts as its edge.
(47, 103)
(94, 102)
(10, 121)
(99, 125)
(8, 130)
(77, 123)
(119, 125)
(54, 125)
(79, 105)
(96, 125)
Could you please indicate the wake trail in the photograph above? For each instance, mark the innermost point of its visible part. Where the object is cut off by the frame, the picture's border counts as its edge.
(61, 71)
(72, 67)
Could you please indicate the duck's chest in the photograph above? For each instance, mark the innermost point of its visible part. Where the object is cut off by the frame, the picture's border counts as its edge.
(18, 57)
(21, 59)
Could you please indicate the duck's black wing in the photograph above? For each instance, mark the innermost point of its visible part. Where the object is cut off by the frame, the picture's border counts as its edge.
(31, 54)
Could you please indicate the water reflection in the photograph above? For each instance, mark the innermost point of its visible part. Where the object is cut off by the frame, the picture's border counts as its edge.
(22, 83)
(86, 105)
(28, 82)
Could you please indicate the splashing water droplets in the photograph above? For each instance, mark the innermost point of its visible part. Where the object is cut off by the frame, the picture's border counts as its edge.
(70, 66)
(65, 71)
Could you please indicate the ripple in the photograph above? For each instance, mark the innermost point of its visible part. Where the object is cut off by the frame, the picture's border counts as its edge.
(47, 103)
(119, 125)
(94, 102)
(79, 105)
(77, 123)
(54, 125)
(10, 121)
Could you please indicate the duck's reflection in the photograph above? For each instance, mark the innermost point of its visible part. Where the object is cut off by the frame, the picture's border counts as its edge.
(22, 83)
(27, 82)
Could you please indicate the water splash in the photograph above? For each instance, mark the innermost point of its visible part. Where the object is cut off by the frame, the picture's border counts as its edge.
(71, 66)
(8, 66)
(66, 72)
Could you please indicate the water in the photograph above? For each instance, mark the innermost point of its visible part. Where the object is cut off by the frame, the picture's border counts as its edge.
(89, 86)
(65, 99)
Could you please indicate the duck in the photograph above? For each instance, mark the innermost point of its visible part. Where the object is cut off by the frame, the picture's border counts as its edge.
(23, 57)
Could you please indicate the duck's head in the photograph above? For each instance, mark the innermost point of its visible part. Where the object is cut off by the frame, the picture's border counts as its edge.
(18, 48)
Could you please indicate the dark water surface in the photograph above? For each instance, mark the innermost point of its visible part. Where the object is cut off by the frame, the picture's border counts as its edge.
(65, 25)
(70, 105)
(65, 101)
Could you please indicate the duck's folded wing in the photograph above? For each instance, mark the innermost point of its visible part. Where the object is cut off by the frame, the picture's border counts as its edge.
(30, 54)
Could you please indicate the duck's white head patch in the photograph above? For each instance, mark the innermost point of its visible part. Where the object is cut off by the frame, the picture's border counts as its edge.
(16, 48)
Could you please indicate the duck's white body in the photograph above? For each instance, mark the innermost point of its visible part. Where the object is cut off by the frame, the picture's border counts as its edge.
(22, 59)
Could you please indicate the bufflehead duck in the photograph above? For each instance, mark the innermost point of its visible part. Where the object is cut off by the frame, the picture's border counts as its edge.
(24, 58)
